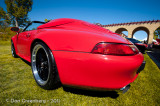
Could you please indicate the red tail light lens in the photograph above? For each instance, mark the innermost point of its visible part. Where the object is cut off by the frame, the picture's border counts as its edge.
(115, 49)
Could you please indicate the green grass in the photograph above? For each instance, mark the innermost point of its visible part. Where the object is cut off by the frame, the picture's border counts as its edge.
(17, 83)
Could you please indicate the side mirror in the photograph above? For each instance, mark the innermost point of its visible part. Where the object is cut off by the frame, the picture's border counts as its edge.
(15, 29)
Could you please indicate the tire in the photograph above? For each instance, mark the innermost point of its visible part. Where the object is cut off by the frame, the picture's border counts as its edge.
(44, 67)
(13, 50)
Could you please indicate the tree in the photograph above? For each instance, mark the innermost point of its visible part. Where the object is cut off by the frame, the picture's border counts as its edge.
(3, 18)
(46, 20)
(2, 13)
(157, 33)
(17, 11)
(98, 24)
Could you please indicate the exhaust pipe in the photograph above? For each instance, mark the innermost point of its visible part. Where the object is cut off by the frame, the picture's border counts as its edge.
(125, 88)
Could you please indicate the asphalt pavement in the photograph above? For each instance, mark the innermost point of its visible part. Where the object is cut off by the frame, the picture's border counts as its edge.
(155, 56)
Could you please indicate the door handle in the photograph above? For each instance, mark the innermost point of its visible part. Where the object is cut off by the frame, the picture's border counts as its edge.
(28, 35)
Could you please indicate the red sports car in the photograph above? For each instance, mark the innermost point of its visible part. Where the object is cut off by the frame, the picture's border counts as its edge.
(77, 53)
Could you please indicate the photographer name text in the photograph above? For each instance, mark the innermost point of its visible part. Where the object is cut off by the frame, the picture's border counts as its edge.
(32, 100)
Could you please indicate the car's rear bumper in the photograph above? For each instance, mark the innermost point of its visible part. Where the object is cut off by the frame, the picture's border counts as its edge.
(141, 67)
(96, 70)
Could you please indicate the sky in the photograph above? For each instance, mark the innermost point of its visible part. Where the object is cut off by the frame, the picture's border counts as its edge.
(96, 11)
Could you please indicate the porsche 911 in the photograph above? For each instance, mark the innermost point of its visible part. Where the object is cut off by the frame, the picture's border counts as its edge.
(77, 53)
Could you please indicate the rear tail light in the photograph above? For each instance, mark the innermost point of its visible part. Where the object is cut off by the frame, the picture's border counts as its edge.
(115, 49)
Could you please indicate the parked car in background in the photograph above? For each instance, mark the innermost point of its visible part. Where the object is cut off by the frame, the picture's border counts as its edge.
(158, 40)
(77, 53)
(155, 42)
(141, 46)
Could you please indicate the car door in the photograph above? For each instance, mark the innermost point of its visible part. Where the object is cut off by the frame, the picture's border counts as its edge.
(20, 42)
(24, 39)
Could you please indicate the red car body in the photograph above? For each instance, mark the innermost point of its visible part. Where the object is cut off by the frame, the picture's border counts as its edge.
(71, 42)
(158, 40)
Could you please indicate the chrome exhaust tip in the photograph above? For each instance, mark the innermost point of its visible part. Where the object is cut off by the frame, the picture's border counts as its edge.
(125, 88)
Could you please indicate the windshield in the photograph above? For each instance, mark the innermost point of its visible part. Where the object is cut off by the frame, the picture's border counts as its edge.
(33, 25)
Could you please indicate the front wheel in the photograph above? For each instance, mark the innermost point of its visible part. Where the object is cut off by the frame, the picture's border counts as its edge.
(44, 67)
(13, 50)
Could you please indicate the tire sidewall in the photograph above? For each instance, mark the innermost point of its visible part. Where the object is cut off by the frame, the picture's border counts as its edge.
(53, 77)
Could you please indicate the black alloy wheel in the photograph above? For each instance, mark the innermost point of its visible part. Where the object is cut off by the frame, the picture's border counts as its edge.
(44, 67)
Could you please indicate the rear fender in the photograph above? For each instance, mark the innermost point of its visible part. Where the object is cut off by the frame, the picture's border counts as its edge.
(71, 40)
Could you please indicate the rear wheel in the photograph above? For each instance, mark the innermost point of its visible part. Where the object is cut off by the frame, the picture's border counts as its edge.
(13, 50)
(44, 66)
